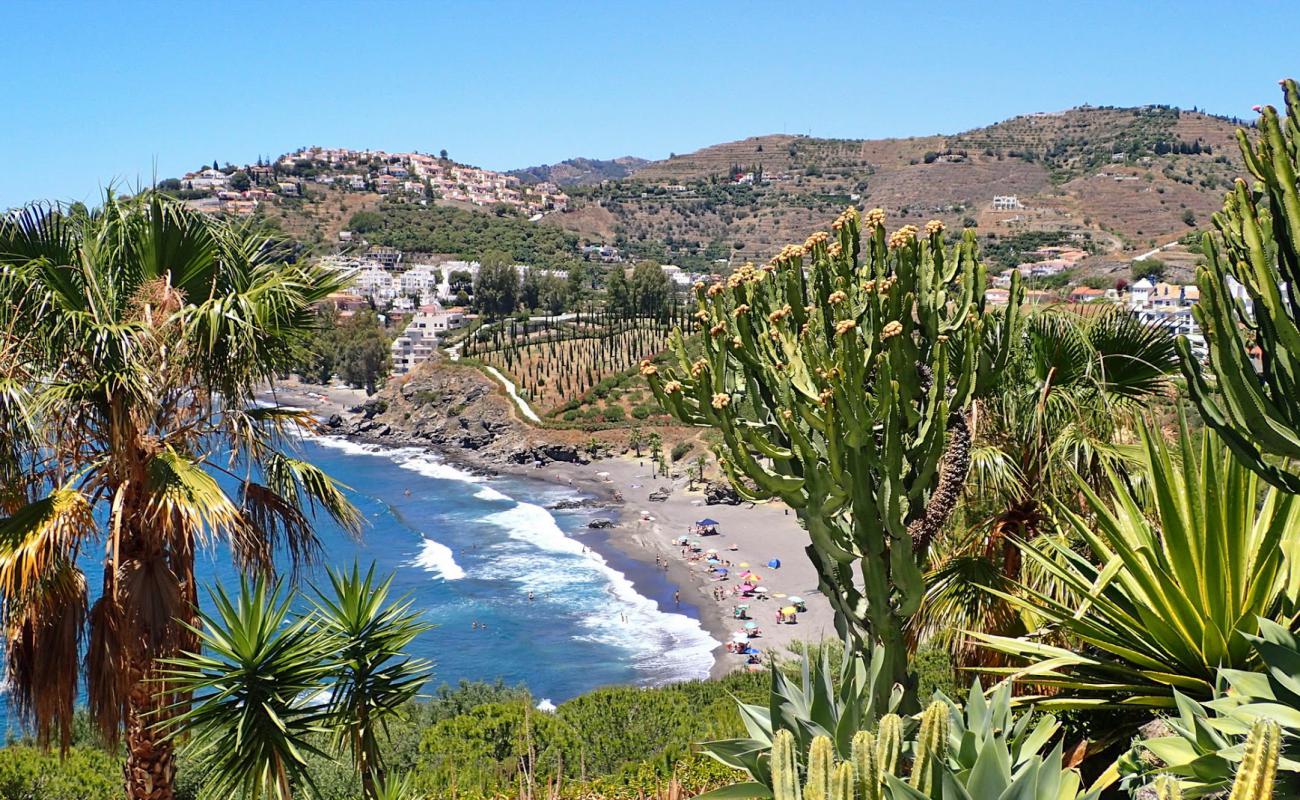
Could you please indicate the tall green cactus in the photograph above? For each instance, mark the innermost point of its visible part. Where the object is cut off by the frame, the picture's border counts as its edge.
(839, 376)
(821, 767)
(889, 742)
(843, 786)
(785, 767)
(1259, 763)
(866, 765)
(1257, 412)
(931, 747)
(1168, 788)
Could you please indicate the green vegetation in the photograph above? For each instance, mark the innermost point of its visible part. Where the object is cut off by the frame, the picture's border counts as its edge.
(466, 234)
(841, 388)
(354, 349)
(250, 729)
(1151, 268)
(569, 366)
(1257, 412)
(133, 339)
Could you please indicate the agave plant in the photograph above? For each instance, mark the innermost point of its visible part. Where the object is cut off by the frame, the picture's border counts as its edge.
(1207, 748)
(822, 703)
(1180, 581)
(884, 767)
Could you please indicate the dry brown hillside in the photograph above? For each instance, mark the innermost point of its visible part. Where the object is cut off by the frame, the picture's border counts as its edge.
(1129, 178)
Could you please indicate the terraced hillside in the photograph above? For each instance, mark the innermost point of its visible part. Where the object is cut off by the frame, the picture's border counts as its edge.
(1133, 178)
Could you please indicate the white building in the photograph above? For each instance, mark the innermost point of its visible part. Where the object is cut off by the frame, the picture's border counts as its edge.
(419, 341)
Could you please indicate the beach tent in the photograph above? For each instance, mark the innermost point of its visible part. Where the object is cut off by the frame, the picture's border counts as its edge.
(775, 563)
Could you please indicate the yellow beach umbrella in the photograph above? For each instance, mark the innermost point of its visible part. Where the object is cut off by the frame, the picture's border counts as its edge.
(744, 564)
(788, 610)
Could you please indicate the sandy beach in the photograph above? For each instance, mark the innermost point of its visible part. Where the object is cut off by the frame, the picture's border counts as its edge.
(649, 531)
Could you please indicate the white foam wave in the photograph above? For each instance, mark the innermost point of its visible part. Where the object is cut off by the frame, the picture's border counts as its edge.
(412, 458)
(437, 558)
(488, 493)
(660, 642)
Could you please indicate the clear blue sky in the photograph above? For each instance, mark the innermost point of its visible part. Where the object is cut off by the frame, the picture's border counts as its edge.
(112, 91)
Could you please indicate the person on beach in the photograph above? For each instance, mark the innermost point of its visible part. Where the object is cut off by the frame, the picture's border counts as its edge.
(677, 597)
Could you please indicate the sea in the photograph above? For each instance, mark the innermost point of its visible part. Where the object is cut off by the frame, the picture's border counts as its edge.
(470, 549)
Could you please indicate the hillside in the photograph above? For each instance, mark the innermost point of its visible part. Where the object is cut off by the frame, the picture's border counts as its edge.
(1126, 179)
(580, 171)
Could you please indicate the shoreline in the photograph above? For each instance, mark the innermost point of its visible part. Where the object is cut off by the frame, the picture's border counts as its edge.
(645, 530)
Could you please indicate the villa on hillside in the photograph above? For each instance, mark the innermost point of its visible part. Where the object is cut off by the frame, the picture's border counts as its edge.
(420, 338)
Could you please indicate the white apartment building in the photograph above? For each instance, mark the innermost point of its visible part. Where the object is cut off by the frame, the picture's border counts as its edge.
(420, 339)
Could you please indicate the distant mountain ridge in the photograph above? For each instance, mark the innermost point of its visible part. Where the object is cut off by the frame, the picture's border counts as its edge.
(580, 171)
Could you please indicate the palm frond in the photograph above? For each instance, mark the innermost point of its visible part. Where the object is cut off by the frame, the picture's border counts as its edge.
(40, 535)
(307, 486)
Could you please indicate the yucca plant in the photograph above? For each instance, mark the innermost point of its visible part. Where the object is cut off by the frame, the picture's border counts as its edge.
(255, 681)
(372, 676)
(1178, 584)
(133, 340)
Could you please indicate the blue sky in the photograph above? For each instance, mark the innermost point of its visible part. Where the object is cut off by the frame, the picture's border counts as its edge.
(119, 91)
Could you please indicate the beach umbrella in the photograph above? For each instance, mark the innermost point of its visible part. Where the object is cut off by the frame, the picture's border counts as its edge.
(744, 563)
(789, 610)
(707, 523)
(749, 626)
(796, 599)
(761, 589)
(779, 594)
(721, 570)
(754, 577)
(745, 587)
(739, 636)
(733, 547)
(775, 563)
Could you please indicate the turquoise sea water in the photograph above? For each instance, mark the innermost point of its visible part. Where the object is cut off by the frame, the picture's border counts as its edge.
(470, 549)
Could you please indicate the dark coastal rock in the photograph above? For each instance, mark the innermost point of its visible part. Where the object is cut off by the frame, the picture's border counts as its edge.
(563, 452)
(660, 495)
(571, 503)
(720, 493)
(601, 523)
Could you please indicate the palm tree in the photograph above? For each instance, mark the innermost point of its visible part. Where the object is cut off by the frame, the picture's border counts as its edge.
(132, 341)
(1064, 407)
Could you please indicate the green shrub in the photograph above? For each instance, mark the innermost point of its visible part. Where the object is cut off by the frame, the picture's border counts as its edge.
(86, 773)
(680, 450)
(642, 412)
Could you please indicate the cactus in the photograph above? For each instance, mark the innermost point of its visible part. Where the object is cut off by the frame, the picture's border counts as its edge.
(1256, 253)
(931, 747)
(1167, 787)
(839, 376)
(821, 765)
(843, 786)
(1258, 764)
(866, 766)
(785, 769)
(889, 743)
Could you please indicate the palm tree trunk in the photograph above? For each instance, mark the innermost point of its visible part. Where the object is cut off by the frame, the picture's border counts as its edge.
(150, 765)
